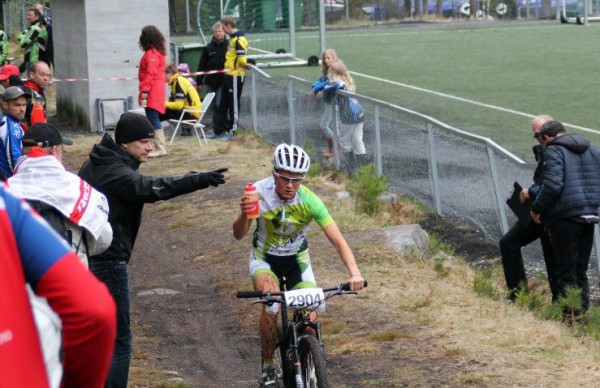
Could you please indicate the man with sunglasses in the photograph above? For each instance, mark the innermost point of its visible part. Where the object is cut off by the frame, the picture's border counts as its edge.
(279, 243)
(521, 235)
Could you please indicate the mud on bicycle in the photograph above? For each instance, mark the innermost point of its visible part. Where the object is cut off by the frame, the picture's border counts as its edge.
(301, 349)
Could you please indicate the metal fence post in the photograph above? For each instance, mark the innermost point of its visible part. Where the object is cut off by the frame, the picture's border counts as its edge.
(253, 102)
(433, 172)
(378, 151)
(597, 246)
(500, 206)
(291, 112)
(336, 153)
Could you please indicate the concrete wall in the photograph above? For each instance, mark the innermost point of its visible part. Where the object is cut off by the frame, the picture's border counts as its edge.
(99, 40)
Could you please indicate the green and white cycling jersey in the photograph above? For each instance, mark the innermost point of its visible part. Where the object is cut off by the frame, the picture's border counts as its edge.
(282, 227)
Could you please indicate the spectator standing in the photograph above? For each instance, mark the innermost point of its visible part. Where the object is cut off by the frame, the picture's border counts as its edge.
(152, 82)
(50, 43)
(350, 112)
(32, 254)
(183, 96)
(213, 58)
(233, 81)
(36, 84)
(520, 235)
(568, 204)
(77, 211)
(328, 58)
(279, 243)
(14, 101)
(34, 41)
(112, 168)
(9, 76)
(4, 45)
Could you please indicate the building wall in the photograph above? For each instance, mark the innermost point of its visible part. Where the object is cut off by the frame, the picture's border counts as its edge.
(99, 40)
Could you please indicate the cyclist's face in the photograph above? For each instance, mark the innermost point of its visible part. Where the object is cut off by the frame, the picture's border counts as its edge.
(286, 184)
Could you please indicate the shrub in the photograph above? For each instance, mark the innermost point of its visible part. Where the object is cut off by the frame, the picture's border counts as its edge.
(366, 186)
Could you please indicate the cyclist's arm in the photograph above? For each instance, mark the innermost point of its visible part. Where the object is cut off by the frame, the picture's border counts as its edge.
(334, 235)
(242, 224)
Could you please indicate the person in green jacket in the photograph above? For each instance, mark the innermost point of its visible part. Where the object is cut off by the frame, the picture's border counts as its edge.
(34, 40)
(3, 47)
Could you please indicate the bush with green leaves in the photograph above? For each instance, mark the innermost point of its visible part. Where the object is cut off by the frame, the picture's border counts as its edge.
(365, 187)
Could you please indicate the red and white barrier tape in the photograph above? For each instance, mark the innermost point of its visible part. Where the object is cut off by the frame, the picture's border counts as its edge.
(134, 78)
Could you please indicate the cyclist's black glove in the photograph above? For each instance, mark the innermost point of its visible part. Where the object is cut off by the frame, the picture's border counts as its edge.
(211, 178)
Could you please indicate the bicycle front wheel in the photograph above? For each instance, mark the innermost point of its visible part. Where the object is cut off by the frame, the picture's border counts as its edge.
(312, 360)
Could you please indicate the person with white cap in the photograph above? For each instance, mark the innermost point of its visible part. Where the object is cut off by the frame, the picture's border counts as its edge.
(279, 244)
(12, 128)
(112, 168)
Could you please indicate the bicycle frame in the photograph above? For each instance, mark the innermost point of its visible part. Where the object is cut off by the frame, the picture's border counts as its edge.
(294, 331)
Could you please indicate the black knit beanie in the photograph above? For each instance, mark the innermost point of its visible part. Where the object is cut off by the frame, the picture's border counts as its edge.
(133, 126)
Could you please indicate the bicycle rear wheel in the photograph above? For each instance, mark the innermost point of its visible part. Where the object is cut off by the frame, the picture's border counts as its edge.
(313, 363)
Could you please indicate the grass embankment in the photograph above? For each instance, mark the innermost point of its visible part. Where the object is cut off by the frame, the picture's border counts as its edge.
(425, 319)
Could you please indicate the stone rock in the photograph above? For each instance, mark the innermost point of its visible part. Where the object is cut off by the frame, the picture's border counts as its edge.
(342, 195)
(404, 237)
(389, 198)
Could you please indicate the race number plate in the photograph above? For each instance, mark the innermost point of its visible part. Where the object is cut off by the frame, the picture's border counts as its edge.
(306, 298)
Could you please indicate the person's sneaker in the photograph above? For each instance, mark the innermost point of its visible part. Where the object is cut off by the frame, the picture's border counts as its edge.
(226, 137)
(270, 375)
(210, 135)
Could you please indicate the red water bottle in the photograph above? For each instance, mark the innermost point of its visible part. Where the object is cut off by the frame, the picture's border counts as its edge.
(251, 195)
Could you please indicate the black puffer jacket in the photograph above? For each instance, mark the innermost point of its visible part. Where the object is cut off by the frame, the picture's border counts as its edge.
(113, 172)
(538, 152)
(571, 179)
(212, 58)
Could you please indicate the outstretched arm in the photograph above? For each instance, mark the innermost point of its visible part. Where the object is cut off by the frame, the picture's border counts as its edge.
(334, 235)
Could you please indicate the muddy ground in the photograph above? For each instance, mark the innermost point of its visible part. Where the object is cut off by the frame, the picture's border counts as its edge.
(184, 273)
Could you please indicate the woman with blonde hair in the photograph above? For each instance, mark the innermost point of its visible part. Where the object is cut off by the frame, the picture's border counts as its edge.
(328, 58)
(351, 116)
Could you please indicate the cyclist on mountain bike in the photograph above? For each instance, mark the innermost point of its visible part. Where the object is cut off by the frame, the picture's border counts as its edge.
(279, 243)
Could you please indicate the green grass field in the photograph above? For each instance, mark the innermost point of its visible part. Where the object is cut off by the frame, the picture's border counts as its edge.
(517, 70)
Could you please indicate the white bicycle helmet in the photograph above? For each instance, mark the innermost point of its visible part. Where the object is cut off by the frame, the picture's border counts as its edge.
(290, 157)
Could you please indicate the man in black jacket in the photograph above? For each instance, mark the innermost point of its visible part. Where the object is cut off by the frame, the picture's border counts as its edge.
(213, 58)
(521, 235)
(568, 204)
(112, 168)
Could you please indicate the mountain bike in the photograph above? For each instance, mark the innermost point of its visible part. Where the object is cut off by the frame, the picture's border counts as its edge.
(301, 349)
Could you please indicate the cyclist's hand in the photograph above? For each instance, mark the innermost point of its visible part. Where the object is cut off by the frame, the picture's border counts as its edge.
(247, 204)
(356, 282)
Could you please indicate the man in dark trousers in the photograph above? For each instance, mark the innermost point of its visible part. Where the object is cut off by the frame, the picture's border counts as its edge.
(213, 58)
(521, 235)
(112, 169)
(235, 62)
(568, 204)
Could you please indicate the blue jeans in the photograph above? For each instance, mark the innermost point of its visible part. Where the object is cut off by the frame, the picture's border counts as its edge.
(113, 273)
(154, 117)
(216, 102)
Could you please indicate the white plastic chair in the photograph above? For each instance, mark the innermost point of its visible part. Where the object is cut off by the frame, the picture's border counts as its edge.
(195, 124)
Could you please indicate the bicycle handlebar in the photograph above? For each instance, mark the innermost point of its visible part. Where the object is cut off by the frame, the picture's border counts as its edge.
(259, 294)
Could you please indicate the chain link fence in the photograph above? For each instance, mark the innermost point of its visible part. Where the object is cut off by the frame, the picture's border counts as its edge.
(457, 174)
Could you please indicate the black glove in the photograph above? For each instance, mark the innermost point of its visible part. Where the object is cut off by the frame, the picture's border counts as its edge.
(211, 178)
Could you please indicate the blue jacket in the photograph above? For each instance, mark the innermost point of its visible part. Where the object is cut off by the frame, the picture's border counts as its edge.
(350, 110)
(571, 179)
(11, 142)
(320, 84)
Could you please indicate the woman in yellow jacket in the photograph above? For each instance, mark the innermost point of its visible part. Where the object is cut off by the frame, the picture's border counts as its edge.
(183, 96)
